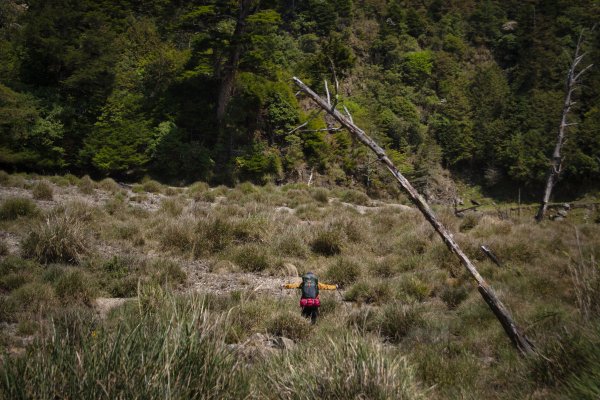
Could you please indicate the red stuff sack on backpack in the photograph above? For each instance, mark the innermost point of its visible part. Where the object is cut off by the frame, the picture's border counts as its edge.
(310, 302)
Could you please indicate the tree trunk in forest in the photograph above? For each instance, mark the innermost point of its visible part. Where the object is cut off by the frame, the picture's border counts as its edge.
(556, 162)
(520, 341)
(229, 73)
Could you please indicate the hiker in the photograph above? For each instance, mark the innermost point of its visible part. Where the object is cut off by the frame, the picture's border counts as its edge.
(309, 301)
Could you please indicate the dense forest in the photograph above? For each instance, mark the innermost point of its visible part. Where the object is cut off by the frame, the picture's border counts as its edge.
(201, 89)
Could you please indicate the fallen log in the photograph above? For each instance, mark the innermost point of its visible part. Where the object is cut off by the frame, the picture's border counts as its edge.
(519, 340)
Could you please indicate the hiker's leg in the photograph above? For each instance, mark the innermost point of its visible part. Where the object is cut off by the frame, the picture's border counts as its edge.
(306, 312)
(313, 315)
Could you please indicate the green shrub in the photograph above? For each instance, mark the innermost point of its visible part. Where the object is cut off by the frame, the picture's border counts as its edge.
(289, 325)
(42, 191)
(343, 272)
(16, 207)
(61, 238)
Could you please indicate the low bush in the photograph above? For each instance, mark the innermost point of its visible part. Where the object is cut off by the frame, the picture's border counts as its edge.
(42, 191)
(61, 238)
(16, 207)
(4, 250)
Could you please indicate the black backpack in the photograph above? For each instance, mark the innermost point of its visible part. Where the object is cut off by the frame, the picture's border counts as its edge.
(310, 286)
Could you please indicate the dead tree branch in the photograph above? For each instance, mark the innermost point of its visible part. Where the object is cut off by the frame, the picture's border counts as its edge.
(556, 162)
(515, 334)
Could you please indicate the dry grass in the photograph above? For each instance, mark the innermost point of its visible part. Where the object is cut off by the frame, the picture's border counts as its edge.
(409, 304)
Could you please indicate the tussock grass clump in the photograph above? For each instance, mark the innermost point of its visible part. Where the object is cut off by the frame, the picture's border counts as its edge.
(377, 292)
(355, 197)
(290, 325)
(395, 321)
(3, 248)
(42, 191)
(109, 185)
(167, 272)
(86, 185)
(16, 207)
(176, 236)
(173, 207)
(343, 271)
(15, 272)
(414, 288)
(349, 368)
(155, 352)
(152, 186)
(252, 258)
(328, 241)
(34, 297)
(61, 238)
(75, 286)
(4, 178)
(321, 195)
(291, 244)
(453, 296)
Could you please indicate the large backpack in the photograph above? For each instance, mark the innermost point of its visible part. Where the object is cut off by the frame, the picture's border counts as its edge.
(310, 286)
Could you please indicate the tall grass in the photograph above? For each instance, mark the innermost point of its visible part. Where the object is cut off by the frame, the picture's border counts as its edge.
(165, 349)
(61, 238)
(349, 368)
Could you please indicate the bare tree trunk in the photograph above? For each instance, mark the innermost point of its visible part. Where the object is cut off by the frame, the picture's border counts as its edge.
(514, 333)
(556, 162)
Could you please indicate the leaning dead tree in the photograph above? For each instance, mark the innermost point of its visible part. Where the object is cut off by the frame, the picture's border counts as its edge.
(512, 330)
(555, 169)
